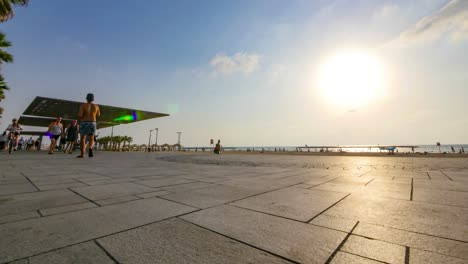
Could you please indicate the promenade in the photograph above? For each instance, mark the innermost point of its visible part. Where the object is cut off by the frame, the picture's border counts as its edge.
(232, 208)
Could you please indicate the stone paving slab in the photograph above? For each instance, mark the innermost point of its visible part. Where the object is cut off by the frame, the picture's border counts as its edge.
(35, 236)
(20, 203)
(294, 203)
(177, 241)
(67, 208)
(346, 258)
(442, 197)
(424, 257)
(293, 240)
(18, 217)
(211, 196)
(84, 253)
(17, 188)
(431, 219)
(120, 199)
(414, 240)
(164, 182)
(415, 204)
(375, 249)
(100, 192)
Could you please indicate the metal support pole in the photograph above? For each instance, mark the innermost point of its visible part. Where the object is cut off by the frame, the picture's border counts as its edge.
(112, 139)
(149, 141)
(178, 140)
(156, 139)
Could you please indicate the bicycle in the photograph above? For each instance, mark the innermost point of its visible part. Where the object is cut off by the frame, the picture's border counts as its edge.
(11, 139)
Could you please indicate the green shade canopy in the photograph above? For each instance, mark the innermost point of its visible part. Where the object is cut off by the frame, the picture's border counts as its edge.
(110, 115)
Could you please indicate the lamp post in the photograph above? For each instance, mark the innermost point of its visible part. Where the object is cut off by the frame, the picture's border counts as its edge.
(156, 139)
(149, 140)
(178, 140)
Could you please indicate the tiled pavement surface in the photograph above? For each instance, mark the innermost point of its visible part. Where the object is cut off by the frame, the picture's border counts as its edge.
(202, 208)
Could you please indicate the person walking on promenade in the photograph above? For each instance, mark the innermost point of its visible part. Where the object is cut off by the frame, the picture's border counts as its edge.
(217, 148)
(55, 130)
(88, 114)
(72, 133)
(3, 140)
(29, 144)
(37, 144)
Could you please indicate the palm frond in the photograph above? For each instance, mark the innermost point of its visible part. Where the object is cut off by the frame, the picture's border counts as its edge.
(6, 8)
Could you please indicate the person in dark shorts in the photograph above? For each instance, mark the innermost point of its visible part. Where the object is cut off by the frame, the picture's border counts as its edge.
(88, 114)
(217, 148)
(54, 131)
(72, 135)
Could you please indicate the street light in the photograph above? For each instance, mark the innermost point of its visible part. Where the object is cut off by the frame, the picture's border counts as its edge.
(178, 140)
(149, 140)
(157, 130)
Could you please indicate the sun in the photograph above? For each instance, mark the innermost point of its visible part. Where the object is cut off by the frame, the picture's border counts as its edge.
(351, 78)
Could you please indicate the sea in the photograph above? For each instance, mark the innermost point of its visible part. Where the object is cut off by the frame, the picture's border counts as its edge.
(445, 148)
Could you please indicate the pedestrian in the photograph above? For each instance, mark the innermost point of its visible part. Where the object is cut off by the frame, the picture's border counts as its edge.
(29, 144)
(54, 131)
(3, 140)
(20, 143)
(72, 134)
(88, 114)
(37, 144)
(217, 148)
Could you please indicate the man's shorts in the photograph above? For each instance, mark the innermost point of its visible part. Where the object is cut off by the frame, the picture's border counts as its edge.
(71, 137)
(87, 128)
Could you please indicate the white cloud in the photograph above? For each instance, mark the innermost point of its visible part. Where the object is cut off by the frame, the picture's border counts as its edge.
(388, 11)
(275, 72)
(452, 19)
(239, 62)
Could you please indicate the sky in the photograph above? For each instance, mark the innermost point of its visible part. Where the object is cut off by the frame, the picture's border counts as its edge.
(249, 72)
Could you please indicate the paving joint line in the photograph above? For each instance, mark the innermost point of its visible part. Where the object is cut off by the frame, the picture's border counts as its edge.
(412, 184)
(163, 198)
(354, 254)
(429, 176)
(407, 255)
(313, 186)
(273, 190)
(410, 231)
(106, 252)
(30, 181)
(279, 216)
(242, 242)
(446, 175)
(329, 260)
(77, 193)
(328, 208)
(369, 182)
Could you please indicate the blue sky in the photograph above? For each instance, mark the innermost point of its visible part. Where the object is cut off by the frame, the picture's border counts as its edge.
(245, 71)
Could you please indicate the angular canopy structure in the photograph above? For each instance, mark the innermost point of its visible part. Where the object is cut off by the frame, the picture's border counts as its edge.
(45, 122)
(43, 110)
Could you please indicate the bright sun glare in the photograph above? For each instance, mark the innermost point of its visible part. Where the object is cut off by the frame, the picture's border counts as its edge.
(351, 79)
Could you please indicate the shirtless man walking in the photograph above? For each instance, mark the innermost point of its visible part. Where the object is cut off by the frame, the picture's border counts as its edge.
(88, 114)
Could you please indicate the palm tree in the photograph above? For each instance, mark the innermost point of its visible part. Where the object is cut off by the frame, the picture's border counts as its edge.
(4, 43)
(6, 8)
(124, 140)
(129, 140)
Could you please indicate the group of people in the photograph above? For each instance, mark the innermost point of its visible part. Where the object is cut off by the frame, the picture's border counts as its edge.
(88, 114)
(23, 144)
(85, 131)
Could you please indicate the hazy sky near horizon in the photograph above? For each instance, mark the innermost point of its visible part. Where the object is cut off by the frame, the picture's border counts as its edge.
(246, 72)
